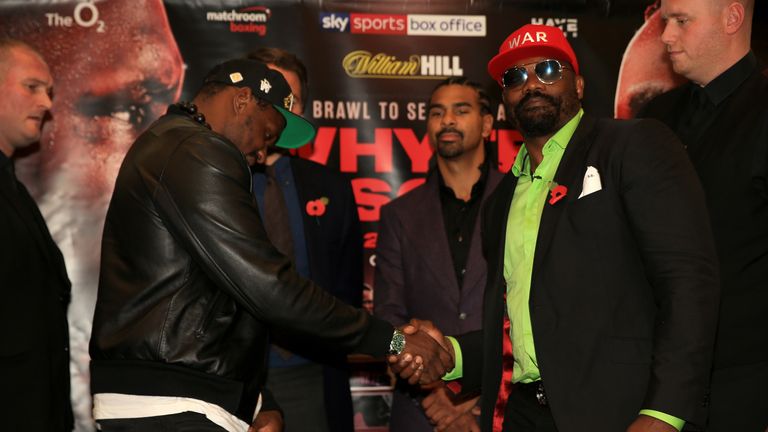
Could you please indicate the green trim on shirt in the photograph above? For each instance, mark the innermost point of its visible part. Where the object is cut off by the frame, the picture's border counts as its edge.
(458, 362)
(666, 418)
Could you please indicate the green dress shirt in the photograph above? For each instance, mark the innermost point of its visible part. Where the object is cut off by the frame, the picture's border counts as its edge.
(532, 193)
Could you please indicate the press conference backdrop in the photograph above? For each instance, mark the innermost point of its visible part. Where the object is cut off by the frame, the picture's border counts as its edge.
(117, 64)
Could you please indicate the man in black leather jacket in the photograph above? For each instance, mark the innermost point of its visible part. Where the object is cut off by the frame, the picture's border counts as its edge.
(190, 286)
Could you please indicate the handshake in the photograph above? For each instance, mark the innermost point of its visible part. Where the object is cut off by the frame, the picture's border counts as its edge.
(420, 354)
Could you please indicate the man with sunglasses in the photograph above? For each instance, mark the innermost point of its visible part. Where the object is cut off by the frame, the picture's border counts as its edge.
(601, 302)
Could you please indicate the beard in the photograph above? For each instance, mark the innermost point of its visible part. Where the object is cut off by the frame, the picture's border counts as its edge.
(449, 150)
(544, 118)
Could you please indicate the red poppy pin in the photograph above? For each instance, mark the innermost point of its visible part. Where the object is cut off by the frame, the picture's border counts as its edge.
(557, 193)
(317, 207)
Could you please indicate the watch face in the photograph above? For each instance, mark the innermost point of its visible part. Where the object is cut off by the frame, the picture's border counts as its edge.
(398, 343)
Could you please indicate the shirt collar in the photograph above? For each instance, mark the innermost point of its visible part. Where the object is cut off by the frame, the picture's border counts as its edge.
(477, 188)
(727, 82)
(559, 140)
(282, 166)
(6, 164)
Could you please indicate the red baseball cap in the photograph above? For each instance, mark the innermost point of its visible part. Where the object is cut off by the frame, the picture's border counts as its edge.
(532, 40)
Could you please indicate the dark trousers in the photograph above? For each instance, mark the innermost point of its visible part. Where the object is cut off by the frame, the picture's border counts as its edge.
(524, 414)
(739, 399)
(182, 422)
(299, 392)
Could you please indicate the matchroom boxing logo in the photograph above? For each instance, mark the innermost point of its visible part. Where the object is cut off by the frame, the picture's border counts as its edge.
(364, 64)
(251, 19)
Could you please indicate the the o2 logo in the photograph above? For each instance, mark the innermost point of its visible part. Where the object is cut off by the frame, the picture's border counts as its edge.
(83, 10)
(85, 15)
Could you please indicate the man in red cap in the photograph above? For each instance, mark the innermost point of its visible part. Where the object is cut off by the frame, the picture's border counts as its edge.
(601, 266)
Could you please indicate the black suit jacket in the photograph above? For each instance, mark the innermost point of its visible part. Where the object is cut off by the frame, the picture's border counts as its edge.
(731, 159)
(34, 341)
(334, 239)
(415, 276)
(624, 288)
(335, 251)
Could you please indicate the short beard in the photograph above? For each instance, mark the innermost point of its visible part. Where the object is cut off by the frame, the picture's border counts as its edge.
(539, 121)
(544, 120)
(452, 150)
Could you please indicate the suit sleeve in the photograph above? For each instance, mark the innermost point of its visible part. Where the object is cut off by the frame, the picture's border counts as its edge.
(205, 199)
(472, 361)
(350, 289)
(665, 205)
(389, 283)
(268, 402)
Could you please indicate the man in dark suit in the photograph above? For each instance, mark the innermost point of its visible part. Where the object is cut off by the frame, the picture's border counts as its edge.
(602, 277)
(311, 387)
(428, 259)
(34, 341)
(722, 118)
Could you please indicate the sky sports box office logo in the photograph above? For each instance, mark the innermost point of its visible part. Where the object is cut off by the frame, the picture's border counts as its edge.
(406, 25)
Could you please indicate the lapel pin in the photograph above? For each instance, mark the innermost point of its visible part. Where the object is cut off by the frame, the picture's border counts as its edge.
(317, 207)
(557, 193)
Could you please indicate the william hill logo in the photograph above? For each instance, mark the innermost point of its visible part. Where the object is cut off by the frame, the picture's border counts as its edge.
(364, 64)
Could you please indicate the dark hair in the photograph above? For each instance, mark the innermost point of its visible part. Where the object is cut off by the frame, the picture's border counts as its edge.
(482, 95)
(284, 60)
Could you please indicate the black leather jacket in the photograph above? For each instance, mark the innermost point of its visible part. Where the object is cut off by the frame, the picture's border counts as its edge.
(190, 285)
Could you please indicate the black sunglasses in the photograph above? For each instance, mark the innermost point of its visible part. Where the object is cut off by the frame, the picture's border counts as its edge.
(547, 71)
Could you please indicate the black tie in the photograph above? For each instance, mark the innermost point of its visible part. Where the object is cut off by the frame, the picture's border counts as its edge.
(694, 118)
(276, 219)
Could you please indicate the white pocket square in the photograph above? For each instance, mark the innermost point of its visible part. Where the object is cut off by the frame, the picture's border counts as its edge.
(591, 182)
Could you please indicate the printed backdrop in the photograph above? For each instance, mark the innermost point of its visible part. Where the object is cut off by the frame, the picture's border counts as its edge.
(117, 64)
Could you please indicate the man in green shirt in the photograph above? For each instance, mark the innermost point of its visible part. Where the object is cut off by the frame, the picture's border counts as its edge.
(600, 254)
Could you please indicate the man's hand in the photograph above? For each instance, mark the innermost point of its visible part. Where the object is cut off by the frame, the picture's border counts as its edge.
(416, 325)
(645, 423)
(449, 416)
(423, 360)
(427, 326)
(267, 421)
(467, 422)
